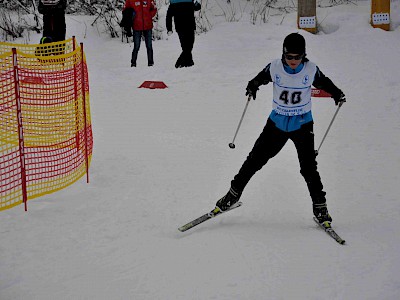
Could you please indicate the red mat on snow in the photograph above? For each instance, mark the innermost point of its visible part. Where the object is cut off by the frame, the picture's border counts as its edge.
(153, 85)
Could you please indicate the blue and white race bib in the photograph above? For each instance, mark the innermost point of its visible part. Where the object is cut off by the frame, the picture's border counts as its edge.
(292, 92)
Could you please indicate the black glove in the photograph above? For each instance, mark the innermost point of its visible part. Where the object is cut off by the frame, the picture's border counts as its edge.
(197, 6)
(339, 99)
(251, 89)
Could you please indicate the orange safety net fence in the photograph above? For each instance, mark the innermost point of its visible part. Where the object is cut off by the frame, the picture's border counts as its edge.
(46, 137)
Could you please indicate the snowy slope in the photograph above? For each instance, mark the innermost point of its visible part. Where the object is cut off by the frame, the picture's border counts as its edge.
(161, 158)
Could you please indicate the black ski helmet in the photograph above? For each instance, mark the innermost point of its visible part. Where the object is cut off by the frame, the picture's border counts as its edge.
(294, 43)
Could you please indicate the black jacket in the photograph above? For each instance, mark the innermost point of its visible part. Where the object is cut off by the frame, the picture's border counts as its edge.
(58, 8)
(183, 14)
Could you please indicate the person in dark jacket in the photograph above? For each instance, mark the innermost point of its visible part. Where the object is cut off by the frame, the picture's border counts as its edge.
(144, 12)
(53, 12)
(182, 11)
(292, 77)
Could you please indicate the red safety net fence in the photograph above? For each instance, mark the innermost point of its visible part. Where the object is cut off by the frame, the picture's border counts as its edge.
(46, 137)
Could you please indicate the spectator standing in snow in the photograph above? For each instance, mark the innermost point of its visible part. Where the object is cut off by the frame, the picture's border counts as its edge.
(144, 12)
(292, 77)
(53, 12)
(183, 13)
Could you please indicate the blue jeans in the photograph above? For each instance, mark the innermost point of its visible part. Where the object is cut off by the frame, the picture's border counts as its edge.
(137, 38)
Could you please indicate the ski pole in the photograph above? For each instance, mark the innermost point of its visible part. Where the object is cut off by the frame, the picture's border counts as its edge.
(232, 145)
(329, 127)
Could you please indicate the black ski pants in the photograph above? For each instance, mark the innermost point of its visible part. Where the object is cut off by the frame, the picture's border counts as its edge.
(186, 38)
(269, 143)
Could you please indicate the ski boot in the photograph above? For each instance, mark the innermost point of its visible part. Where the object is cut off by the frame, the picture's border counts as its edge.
(228, 200)
(320, 211)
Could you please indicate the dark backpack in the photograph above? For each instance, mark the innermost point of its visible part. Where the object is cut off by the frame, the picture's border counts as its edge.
(128, 15)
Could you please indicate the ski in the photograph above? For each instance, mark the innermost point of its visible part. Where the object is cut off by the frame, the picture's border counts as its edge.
(329, 230)
(215, 212)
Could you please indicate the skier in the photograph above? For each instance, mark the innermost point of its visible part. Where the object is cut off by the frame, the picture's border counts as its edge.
(185, 25)
(291, 118)
(144, 12)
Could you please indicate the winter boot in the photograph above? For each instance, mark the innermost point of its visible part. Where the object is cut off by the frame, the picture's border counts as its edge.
(228, 200)
(321, 213)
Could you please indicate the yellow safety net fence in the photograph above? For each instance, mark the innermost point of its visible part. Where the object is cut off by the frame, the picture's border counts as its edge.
(46, 137)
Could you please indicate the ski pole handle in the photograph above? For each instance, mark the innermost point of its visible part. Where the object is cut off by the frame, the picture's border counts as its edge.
(232, 145)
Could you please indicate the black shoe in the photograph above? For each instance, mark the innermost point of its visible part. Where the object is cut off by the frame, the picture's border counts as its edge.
(321, 213)
(133, 64)
(189, 64)
(150, 64)
(228, 200)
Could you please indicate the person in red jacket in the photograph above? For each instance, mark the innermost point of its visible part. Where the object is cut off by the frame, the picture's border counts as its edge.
(144, 11)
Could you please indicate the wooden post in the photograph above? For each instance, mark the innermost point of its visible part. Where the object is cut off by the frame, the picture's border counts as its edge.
(307, 15)
(380, 14)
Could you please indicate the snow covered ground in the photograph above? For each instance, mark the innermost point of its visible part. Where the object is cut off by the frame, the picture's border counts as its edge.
(161, 158)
